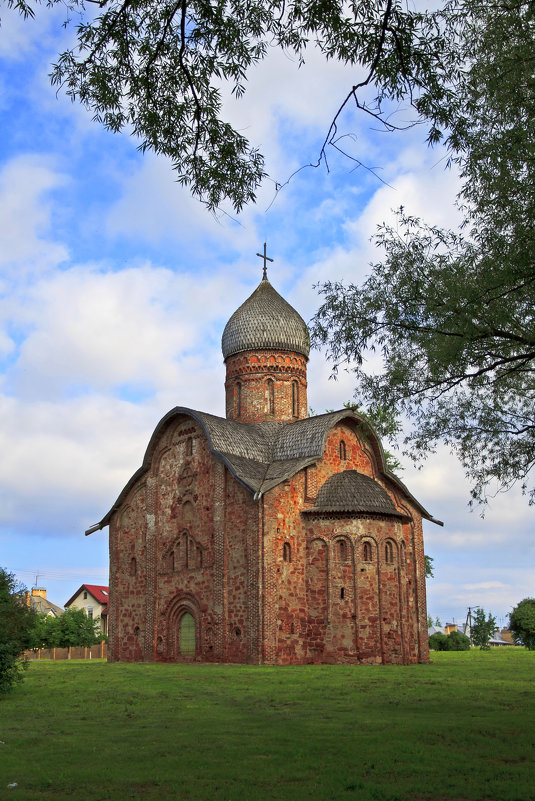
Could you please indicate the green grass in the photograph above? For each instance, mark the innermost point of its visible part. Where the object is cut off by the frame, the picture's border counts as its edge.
(462, 727)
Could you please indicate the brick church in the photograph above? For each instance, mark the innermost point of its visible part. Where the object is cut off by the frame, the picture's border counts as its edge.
(266, 536)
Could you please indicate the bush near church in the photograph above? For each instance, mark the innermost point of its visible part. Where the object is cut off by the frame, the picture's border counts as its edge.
(454, 641)
(17, 621)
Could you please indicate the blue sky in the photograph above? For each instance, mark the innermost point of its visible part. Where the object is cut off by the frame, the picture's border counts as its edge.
(115, 287)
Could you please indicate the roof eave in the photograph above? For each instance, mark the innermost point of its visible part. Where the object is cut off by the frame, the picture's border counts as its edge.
(330, 510)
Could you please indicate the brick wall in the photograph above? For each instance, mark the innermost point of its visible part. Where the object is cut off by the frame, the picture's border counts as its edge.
(259, 580)
(266, 385)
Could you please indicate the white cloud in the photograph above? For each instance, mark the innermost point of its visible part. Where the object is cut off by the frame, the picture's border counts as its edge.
(16, 39)
(496, 590)
(25, 215)
(485, 585)
(106, 330)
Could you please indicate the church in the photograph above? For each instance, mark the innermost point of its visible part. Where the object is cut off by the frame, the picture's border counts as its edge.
(267, 536)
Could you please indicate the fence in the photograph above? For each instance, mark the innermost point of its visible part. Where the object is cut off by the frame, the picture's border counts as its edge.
(99, 651)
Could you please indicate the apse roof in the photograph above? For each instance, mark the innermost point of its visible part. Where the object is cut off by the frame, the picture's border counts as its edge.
(353, 492)
(265, 321)
(263, 455)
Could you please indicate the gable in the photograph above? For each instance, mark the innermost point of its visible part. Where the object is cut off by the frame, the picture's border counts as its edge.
(259, 455)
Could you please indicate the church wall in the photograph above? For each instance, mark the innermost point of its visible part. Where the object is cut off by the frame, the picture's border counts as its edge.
(361, 598)
(413, 587)
(322, 601)
(128, 577)
(184, 471)
(241, 618)
(284, 593)
(344, 450)
(266, 385)
(203, 561)
(418, 579)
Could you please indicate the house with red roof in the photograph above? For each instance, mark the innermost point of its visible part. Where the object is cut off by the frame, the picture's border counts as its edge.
(93, 599)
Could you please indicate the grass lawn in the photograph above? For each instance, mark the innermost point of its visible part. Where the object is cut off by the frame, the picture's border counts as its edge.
(462, 727)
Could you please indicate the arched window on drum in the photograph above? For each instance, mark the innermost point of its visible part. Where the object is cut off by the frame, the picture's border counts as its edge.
(295, 399)
(271, 396)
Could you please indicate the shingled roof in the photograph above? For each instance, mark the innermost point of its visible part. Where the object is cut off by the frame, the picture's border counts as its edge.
(262, 455)
(353, 492)
(264, 321)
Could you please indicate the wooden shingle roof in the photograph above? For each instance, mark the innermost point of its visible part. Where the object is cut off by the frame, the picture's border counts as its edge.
(265, 321)
(262, 455)
(353, 492)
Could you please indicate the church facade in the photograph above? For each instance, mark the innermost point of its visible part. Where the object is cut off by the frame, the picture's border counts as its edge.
(266, 537)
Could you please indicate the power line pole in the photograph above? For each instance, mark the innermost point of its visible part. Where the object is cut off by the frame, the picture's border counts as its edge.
(468, 618)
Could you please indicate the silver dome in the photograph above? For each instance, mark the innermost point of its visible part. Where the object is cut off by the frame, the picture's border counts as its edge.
(265, 321)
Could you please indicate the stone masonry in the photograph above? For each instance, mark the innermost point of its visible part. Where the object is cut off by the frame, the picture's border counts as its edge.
(266, 537)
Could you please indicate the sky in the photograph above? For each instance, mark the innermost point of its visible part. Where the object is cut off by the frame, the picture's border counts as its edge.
(115, 287)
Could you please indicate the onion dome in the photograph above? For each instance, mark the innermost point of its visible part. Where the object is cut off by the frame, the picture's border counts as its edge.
(352, 491)
(265, 322)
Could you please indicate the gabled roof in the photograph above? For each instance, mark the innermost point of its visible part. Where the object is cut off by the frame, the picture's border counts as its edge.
(41, 605)
(99, 592)
(262, 455)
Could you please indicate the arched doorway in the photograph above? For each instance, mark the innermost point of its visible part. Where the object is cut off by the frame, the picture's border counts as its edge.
(187, 639)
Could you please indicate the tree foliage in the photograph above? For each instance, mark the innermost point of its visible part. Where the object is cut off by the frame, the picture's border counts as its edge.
(160, 68)
(16, 623)
(522, 623)
(454, 641)
(73, 628)
(482, 628)
(429, 569)
(451, 312)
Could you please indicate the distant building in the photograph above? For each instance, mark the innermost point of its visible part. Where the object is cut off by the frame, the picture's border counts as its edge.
(93, 599)
(449, 627)
(503, 637)
(500, 638)
(37, 600)
(507, 635)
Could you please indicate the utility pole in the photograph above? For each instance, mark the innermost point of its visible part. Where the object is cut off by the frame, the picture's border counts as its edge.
(468, 619)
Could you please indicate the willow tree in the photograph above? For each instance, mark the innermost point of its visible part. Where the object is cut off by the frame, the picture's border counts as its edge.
(452, 312)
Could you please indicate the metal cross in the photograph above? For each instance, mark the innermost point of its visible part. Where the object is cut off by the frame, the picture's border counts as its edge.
(266, 258)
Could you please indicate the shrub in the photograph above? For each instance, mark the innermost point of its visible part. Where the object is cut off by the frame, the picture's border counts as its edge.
(522, 623)
(17, 622)
(458, 641)
(455, 641)
(438, 642)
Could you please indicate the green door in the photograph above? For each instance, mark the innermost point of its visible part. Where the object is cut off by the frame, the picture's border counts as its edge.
(187, 635)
